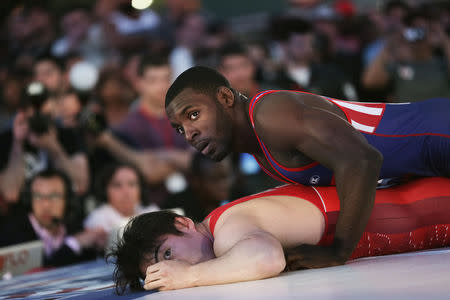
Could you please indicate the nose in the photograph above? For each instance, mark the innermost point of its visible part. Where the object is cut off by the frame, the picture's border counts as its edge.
(191, 133)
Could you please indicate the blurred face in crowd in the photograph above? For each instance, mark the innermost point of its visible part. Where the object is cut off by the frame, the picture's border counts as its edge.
(48, 200)
(69, 106)
(192, 32)
(47, 72)
(12, 93)
(239, 70)
(76, 24)
(299, 47)
(123, 191)
(154, 83)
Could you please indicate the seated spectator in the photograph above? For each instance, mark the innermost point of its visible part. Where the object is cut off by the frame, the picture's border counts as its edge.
(120, 189)
(51, 217)
(408, 61)
(35, 142)
(209, 187)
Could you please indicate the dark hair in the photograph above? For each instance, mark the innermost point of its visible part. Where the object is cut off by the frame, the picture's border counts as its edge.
(283, 27)
(415, 14)
(105, 176)
(201, 79)
(230, 49)
(58, 62)
(156, 60)
(141, 236)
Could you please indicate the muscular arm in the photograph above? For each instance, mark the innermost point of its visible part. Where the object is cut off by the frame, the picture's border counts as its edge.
(285, 121)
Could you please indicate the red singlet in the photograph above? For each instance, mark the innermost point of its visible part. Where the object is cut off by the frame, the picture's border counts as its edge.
(408, 217)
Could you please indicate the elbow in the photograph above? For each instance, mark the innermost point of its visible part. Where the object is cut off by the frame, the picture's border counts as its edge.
(272, 263)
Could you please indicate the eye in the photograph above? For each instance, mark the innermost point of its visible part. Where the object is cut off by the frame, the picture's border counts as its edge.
(180, 130)
(167, 254)
(193, 115)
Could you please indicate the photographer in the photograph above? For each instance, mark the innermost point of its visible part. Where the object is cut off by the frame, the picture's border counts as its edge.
(35, 142)
(409, 62)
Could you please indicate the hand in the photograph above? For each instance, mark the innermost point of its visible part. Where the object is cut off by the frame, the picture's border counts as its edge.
(311, 256)
(20, 127)
(169, 275)
(46, 141)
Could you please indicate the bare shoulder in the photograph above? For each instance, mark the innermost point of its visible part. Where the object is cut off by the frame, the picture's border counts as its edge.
(233, 229)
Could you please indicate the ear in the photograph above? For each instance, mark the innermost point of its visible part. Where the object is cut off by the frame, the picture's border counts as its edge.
(225, 96)
(184, 224)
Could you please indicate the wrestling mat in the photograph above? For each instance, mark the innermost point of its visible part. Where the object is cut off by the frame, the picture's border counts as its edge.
(418, 275)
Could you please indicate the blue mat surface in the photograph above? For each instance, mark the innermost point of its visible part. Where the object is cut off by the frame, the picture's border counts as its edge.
(92, 280)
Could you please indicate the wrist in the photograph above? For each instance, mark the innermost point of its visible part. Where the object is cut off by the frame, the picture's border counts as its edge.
(194, 275)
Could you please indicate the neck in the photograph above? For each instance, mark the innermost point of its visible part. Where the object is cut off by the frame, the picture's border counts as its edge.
(245, 139)
(203, 229)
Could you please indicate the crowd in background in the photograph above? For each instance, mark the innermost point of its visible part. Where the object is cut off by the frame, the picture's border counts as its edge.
(85, 142)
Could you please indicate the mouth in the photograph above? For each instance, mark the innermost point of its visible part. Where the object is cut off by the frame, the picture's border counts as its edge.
(208, 150)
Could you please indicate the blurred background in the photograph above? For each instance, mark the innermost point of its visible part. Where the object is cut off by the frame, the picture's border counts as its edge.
(85, 142)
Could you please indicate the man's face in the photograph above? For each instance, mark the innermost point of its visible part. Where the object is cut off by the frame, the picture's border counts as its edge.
(47, 200)
(155, 82)
(49, 74)
(123, 191)
(203, 121)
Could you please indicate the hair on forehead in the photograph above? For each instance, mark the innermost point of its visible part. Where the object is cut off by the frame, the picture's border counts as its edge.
(201, 79)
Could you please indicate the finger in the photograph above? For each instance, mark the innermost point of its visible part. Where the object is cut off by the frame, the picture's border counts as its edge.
(153, 277)
(157, 284)
(153, 268)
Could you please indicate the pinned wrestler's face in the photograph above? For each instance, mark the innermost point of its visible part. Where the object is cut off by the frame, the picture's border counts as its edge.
(204, 120)
(192, 246)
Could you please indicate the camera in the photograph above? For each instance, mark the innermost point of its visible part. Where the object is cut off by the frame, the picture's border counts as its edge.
(93, 122)
(416, 34)
(36, 96)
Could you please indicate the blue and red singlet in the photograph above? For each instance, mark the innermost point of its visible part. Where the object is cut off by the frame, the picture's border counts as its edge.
(414, 138)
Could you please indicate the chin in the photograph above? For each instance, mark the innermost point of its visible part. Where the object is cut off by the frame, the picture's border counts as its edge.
(219, 154)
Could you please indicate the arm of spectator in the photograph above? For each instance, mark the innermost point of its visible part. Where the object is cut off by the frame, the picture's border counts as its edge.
(154, 169)
(375, 75)
(76, 166)
(180, 159)
(13, 176)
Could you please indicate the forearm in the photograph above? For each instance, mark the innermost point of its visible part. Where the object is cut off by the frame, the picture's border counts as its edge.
(179, 159)
(75, 167)
(356, 185)
(14, 174)
(119, 150)
(249, 259)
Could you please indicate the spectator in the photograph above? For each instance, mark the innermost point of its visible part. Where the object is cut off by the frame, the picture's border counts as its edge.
(408, 60)
(11, 99)
(49, 205)
(163, 150)
(303, 71)
(115, 95)
(190, 36)
(34, 142)
(120, 189)
(49, 71)
(236, 65)
(210, 185)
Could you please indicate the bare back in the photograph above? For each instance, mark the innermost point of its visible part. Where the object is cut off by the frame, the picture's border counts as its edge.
(291, 220)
